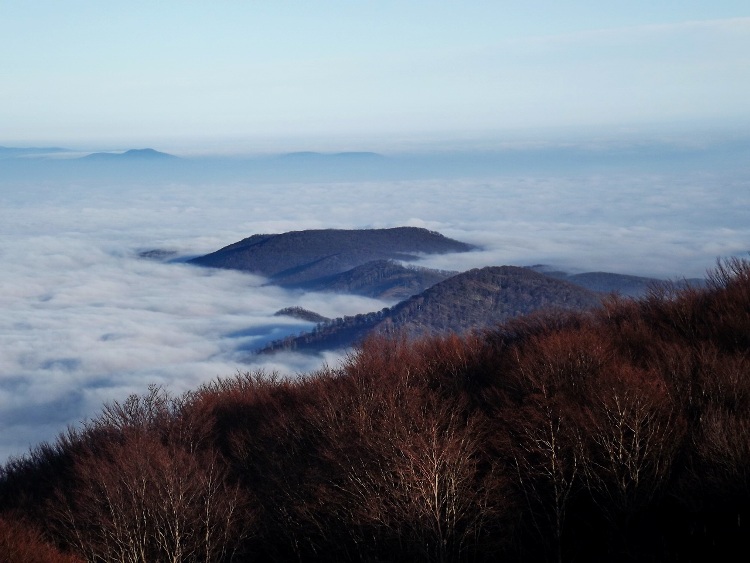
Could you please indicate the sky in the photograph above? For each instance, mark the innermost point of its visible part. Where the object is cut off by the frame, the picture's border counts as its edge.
(611, 136)
(195, 75)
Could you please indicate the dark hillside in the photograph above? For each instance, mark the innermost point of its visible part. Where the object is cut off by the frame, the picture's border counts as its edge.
(473, 300)
(484, 297)
(302, 314)
(304, 257)
(382, 279)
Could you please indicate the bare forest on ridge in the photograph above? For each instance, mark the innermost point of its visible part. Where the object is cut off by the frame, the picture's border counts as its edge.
(616, 434)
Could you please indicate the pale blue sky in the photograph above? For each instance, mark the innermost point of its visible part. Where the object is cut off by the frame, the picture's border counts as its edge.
(182, 73)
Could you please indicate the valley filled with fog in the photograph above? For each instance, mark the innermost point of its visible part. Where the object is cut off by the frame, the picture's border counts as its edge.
(87, 319)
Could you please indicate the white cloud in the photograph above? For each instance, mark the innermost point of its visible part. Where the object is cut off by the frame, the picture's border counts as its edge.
(86, 321)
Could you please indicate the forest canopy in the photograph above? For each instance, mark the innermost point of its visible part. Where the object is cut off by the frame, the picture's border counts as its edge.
(619, 434)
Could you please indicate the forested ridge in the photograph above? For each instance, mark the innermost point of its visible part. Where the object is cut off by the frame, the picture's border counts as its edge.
(617, 434)
(469, 301)
(314, 258)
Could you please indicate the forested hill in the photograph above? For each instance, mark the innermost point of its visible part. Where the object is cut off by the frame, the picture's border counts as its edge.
(383, 279)
(477, 299)
(298, 258)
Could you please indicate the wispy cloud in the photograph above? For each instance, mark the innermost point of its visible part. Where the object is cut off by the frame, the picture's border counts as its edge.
(715, 27)
(615, 76)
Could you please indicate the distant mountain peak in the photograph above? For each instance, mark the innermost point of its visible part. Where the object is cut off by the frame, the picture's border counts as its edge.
(146, 153)
(132, 154)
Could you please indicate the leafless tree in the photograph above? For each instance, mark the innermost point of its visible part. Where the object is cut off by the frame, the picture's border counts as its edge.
(634, 434)
(143, 494)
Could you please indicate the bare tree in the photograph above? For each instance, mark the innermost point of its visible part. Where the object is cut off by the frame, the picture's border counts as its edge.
(551, 375)
(634, 434)
(406, 462)
(145, 491)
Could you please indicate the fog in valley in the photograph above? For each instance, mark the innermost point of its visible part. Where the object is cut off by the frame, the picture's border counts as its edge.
(87, 319)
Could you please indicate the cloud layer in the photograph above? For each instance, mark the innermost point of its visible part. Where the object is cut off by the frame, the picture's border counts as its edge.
(86, 320)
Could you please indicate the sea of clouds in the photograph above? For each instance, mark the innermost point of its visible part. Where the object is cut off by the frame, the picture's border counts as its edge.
(87, 320)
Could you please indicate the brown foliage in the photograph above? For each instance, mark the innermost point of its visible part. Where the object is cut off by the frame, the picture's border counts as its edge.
(634, 434)
(21, 542)
(410, 459)
(149, 491)
(719, 469)
(550, 378)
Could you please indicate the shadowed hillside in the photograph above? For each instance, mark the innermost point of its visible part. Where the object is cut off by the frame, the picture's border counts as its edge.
(310, 258)
(473, 300)
(382, 279)
(302, 314)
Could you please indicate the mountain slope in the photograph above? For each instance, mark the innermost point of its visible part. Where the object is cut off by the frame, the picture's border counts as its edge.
(307, 258)
(382, 279)
(473, 300)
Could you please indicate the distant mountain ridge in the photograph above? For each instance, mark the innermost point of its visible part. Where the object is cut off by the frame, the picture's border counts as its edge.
(478, 299)
(132, 154)
(21, 152)
(354, 260)
(608, 282)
